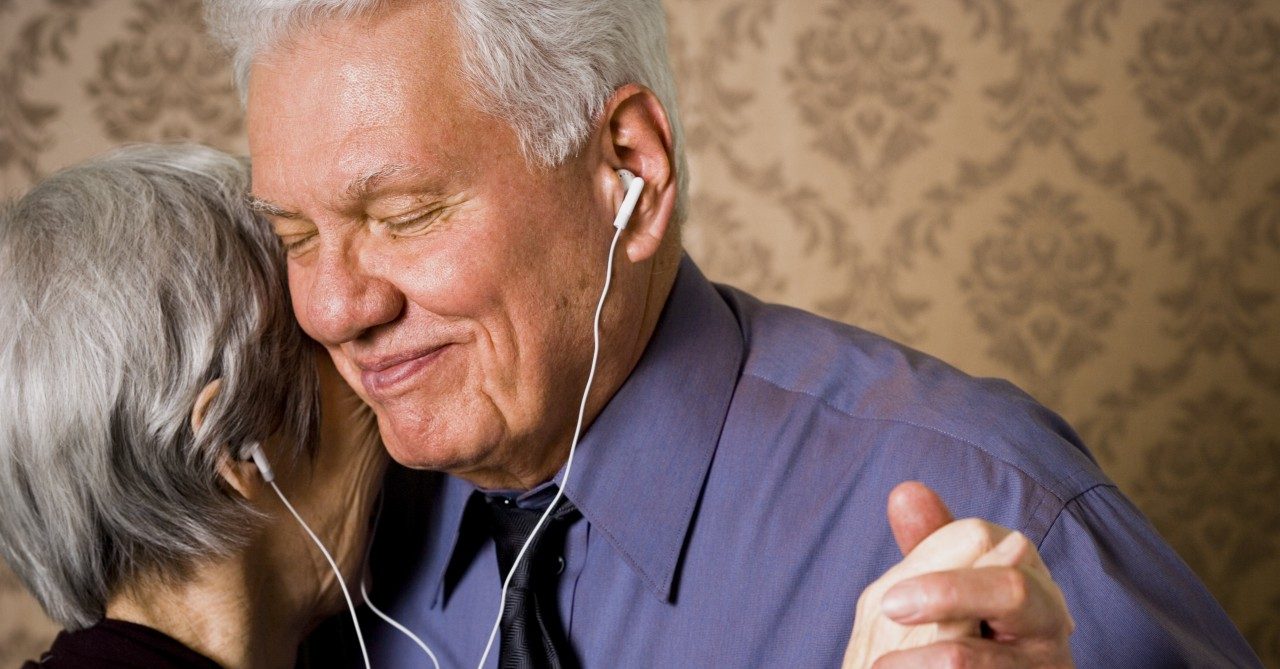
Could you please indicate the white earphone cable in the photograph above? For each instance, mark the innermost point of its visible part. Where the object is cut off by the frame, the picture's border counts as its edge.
(377, 521)
(400, 628)
(573, 447)
(332, 565)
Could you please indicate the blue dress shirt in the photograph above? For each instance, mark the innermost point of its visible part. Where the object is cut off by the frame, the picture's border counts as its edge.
(733, 507)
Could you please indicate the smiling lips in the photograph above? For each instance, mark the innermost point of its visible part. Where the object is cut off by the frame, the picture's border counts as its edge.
(382, 377)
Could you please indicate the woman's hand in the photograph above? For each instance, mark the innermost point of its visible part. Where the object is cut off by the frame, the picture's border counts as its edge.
(967, 593)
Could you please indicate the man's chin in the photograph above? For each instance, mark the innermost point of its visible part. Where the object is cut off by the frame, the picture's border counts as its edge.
(426, 453)
(417, 457)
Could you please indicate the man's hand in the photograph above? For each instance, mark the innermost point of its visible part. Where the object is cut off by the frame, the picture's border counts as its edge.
(967, 593)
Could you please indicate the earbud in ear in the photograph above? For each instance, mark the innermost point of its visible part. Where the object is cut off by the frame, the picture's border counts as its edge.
(634, 185)
(260, 459)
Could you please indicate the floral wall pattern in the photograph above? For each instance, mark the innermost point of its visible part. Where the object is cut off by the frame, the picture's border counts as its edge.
(1081, 195)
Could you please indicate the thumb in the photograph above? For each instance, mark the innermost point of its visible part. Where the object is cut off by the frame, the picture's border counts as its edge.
(915, 511)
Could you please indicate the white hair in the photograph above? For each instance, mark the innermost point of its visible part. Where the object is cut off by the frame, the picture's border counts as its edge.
(130, 283)
(547, 67)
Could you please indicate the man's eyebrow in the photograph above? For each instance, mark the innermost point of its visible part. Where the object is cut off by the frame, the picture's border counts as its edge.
(361, 187)
(358, 189)
(270, 209)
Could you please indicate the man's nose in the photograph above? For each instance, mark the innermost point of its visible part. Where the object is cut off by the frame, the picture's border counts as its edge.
(346, 299)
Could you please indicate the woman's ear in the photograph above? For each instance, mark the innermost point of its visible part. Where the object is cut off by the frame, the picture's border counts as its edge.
(201, 408)
(241, 475)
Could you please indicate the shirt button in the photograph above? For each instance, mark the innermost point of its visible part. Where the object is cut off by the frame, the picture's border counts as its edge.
(559, 565)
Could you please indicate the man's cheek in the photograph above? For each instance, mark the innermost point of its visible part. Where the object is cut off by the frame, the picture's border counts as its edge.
(350, 373)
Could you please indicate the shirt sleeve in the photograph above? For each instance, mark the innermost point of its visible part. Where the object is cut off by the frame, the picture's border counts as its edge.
(1134, 601)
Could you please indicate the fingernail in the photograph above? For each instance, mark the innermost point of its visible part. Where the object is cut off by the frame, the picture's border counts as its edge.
(900, 603)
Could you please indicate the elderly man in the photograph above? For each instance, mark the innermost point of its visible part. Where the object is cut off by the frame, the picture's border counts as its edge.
(443, 175)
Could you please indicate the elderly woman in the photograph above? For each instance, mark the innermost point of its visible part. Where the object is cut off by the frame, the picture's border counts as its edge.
(146, 348)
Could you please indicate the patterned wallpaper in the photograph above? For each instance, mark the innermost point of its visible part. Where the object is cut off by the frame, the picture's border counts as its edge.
(1080, 195)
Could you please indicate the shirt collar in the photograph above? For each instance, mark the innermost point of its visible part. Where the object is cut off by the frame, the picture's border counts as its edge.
(640, 467)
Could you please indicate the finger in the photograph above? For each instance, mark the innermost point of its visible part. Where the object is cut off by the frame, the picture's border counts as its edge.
(1016, 603)
(1018, 551)
(1015, 550)
(957, 545)
(915, 511)
(952, 654)
(962, 594)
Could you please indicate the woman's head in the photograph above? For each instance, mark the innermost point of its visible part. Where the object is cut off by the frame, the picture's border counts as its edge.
(130, 283)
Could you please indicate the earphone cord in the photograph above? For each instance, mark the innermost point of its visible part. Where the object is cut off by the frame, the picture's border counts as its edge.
(573, 447)
(400, 628)
(332, 565)
(378, 612)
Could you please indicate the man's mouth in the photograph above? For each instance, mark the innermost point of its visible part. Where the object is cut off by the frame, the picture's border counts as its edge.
(383, 377)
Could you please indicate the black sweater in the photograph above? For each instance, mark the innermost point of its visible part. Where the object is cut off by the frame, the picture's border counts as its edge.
(115, 644)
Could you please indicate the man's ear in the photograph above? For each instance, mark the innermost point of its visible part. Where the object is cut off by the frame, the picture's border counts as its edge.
(635, 133)
(241, 475)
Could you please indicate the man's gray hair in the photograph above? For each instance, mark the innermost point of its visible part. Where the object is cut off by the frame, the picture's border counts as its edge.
(545, 66)
(129, 283)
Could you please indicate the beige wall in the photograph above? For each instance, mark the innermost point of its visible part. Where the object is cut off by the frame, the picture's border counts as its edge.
(1080, 195)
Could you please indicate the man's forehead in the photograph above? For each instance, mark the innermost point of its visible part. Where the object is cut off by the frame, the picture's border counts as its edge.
(358, 108)
(395, 46)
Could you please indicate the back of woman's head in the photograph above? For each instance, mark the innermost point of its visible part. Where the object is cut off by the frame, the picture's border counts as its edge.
(130, 283)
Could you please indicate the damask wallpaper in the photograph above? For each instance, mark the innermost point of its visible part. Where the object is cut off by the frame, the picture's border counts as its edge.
(1080, 195)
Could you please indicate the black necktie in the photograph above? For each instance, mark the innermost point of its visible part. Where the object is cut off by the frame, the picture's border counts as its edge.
(532, 635)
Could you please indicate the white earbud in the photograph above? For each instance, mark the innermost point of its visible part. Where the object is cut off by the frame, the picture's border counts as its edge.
(634, 185)
(260, 459)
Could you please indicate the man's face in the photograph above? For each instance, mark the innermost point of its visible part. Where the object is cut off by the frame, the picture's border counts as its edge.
(452, 282)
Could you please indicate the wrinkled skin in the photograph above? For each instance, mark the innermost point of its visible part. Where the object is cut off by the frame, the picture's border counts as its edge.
(452, 281)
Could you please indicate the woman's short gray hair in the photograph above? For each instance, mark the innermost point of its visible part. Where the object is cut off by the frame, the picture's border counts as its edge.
(545, 66)
(130, 283)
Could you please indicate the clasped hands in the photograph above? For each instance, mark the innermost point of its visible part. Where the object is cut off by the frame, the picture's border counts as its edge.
(967, 593)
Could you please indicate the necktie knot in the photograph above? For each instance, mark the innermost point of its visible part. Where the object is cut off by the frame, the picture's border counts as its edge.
(510, 527)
